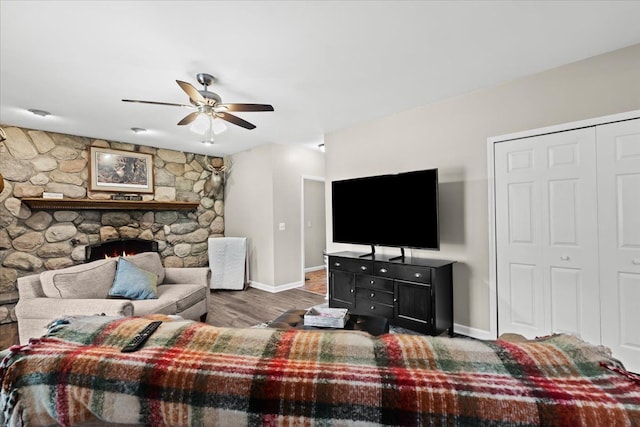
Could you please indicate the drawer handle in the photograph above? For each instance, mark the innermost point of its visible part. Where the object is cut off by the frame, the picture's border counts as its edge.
(373, 294)
(373, 307)
(372, 281)
(418, 275)
(383, 270)
(351, 290)
(363, 268)
(565, 258)
(337, 264)
(636, 261)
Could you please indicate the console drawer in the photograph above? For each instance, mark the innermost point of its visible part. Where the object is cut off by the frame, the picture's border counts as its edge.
(374, 283)
(374, 308)
(415, 274)
(352, 265)
(374, 296)
(409, 273)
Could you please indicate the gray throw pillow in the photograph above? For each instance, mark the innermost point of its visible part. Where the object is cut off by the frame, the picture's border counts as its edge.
(88, 281)
(149, 261)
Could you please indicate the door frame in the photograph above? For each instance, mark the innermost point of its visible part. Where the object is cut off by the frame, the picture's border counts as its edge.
(302, 223)
(491, 142)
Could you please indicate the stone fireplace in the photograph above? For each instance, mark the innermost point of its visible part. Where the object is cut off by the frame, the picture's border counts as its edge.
(36, 239)
(119, 247)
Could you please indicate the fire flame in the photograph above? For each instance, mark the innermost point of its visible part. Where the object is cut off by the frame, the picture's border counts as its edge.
(115, 254)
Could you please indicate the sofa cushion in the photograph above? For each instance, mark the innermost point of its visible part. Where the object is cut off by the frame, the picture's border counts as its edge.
(133, 282)
(90, 280)
(184, 295)
(149, 261)
(153, 306)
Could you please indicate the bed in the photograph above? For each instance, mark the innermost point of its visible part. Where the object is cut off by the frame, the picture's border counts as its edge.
(193, 374)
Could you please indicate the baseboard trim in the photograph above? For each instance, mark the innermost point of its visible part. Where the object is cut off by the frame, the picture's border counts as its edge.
(275, 289)
(468, 331)
(316, 268)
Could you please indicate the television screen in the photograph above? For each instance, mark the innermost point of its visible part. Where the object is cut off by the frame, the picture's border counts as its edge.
(399, 210)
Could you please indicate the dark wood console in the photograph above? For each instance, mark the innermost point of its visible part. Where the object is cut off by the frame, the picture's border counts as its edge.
(415, 293)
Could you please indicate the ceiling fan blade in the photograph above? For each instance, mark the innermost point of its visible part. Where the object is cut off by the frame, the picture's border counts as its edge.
(188, 118)
(158, 103)
(248, 107)
(192, 92)
(236, 120)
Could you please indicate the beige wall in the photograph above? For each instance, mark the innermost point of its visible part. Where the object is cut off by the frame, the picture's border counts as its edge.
(249, 187)
(263, 190)
(452, 135)
(290, 164)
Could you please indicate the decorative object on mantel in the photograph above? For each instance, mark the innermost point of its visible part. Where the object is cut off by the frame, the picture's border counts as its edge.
(125, 197)
(116, 170)
(50, 195)
(62, 204)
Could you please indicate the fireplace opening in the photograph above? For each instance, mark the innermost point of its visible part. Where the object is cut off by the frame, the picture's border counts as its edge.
(118, 247)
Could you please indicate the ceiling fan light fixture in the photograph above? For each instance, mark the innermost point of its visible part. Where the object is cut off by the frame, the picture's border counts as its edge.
(210, 103)
(218, 127)
(208, 134)
(201, 124)
(41, 113)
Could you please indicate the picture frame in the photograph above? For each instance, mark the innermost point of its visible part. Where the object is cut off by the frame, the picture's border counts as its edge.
(120, 171)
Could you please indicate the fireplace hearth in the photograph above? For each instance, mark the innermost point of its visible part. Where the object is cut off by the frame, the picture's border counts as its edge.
(118, 247)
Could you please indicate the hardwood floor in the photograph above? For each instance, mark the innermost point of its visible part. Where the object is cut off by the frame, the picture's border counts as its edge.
(8, 335)
(241, 309)
(316, 282)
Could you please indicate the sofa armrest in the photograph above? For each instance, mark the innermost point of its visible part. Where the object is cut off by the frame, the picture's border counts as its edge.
(30, 287)
(52, 308)
(189, 275)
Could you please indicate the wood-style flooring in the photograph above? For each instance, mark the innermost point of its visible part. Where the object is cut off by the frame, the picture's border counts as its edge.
(241, 309)
(8, 335)
(316, 282)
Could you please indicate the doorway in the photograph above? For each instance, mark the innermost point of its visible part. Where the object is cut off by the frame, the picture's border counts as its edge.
(314, 236)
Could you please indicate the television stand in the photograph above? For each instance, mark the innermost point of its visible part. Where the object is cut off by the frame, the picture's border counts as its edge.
(399, 257)
(371, 254)
(415, 293)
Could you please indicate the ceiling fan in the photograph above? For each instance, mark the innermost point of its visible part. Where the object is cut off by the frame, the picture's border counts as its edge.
(210, 104)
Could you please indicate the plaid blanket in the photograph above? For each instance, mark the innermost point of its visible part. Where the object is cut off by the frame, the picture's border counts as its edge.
(192, 374)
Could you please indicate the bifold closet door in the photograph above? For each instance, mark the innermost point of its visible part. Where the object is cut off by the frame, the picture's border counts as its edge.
(546, 235)
(619, 212)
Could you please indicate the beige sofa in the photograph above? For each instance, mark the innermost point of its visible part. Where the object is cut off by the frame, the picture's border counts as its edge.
(83, 290)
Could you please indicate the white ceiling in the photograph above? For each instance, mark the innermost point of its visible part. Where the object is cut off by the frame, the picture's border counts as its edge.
(323, 65)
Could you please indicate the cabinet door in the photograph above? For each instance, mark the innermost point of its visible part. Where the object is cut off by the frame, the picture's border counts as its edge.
(341, 289)
(413, 305)
(546, 240)
(619, 213)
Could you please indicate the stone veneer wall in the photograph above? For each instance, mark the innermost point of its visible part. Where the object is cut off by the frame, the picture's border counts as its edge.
(33, 161)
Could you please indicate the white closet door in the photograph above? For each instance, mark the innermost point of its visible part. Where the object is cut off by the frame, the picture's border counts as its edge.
(619, 212)
(546, 239)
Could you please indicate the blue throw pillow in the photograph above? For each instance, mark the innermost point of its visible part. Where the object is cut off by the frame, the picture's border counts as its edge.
(133, 282)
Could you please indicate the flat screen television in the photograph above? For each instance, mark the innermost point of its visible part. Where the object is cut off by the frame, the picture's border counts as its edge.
(399, 210)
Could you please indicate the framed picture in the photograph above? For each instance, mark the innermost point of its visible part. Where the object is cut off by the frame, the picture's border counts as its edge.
(120, 171)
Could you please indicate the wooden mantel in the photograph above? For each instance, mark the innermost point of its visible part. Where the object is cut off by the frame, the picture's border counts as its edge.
(72, 204)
